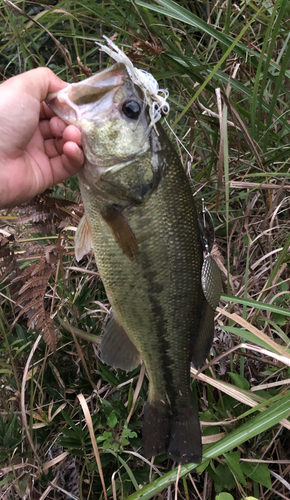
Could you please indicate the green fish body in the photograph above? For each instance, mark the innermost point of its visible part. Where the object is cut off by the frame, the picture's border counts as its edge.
(143, 226)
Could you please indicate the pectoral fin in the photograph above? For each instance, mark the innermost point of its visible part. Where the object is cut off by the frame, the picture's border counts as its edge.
(83, 239)
(117, 349)
(121, 231)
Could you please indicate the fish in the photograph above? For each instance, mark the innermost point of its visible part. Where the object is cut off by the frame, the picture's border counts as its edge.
(142, 224)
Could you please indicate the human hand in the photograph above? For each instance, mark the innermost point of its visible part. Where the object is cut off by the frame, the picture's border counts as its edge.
(37, 149)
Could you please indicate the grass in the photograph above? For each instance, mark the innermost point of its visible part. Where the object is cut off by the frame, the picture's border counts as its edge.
(70, 426)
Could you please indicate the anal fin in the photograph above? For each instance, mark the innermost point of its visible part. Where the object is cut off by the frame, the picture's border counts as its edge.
(117, 349)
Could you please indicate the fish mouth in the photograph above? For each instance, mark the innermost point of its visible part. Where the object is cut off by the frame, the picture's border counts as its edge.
(70, 103)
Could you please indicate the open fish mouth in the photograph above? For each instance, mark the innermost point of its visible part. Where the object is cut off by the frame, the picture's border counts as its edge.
(81, 99)
(111, 112)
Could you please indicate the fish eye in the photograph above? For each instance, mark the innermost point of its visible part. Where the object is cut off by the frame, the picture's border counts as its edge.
(131, 109)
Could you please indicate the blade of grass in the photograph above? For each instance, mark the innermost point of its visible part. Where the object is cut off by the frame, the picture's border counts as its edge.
(269, 57)
(255, 304)
(127, 468)
(254, 116)
(273, 346)
(244, 334)
(277, 90)
(79, 333)
(216, 67)
(242, 395)
(93, 439)
(172, 9)
(279, 262)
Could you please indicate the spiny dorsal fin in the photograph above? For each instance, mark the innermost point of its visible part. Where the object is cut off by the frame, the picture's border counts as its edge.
(117, 349)
(121, 231)
(83, 239)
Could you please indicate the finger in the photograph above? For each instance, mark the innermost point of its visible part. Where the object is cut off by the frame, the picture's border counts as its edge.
(57, 126)
(45, 129)
(73, 154)
(68, 164)
(36, 83)
(53, 147)
(72, 134)
(45, 112)
(68, 132)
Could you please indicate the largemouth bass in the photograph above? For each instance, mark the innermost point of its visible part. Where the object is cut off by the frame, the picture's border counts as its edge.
(143, 226)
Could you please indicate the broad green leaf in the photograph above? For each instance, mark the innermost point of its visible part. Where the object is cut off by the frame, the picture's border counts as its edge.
(223, 478)
(7, 478)
(224, 496)
(239, 381)
(233, 461)
(279, 319)
(129, 433)
(112, 419)
(107, 375)
(257, 472)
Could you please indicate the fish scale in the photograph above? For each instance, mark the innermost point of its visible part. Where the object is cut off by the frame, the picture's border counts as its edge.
(141, 220)
(158, 297)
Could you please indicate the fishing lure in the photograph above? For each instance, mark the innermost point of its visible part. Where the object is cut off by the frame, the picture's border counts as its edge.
(155, 97)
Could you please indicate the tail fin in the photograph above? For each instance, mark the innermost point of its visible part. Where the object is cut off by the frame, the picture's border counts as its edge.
(156, 428)
(174, 432)
(185, 436)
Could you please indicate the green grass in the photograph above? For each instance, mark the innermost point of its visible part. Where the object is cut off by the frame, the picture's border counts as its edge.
(192, 48)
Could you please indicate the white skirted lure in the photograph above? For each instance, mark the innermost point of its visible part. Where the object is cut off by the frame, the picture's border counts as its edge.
(155, 97)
